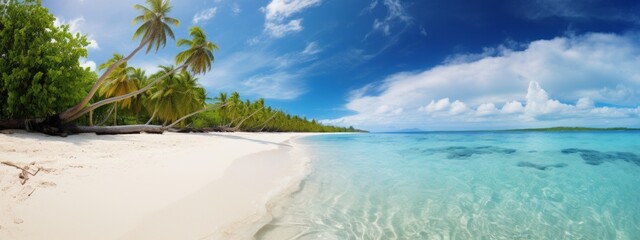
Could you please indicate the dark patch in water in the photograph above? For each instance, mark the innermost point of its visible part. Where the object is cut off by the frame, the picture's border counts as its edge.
(459, 152)
(541, 167)
(593, 157)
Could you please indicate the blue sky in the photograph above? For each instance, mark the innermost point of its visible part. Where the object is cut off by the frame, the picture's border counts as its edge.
(387, 65)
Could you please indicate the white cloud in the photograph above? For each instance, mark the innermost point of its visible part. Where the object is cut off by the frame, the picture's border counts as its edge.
(423, 31)
(258, 74)
(486, 109)
(235, 9)
(280, 85)
(512, 107)
(278, 30)
(204, 15)
(74, 27)
(87, 63)
(538, 101)
(435, 106)
(396, 13)
(93, 44)
(584, 103)
(577, 9)
(277, 13)
(458, 107)
(587, 70)
(311, 49)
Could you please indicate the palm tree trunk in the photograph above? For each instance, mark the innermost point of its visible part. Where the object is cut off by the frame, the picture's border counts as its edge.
(245, 119)
(106, 118)
(194, 113)
(121, 97)
(115, 115)
(264, 124)
(73, 111)
(91, 118)
(152, 116)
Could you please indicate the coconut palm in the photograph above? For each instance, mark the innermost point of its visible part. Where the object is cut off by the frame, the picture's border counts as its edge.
(155, 24)
(162, 101)
(117, 83)
(197, 59)
(234, 107)
(139, 78)
(222, 100)
(154, 31)
(192, 94)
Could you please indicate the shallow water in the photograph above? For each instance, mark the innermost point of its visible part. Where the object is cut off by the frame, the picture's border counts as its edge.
(472, 185)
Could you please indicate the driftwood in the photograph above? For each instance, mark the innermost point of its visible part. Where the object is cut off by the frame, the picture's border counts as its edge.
(24, 175)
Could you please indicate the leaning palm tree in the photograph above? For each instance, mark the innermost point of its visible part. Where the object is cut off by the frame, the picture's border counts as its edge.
(139, 78)
(153, 32)
(192, 95)
(117, 83)
(197, 59)
(222, 99)
(163, 100)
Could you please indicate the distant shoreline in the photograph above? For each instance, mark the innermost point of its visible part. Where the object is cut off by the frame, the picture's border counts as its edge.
(551, 129)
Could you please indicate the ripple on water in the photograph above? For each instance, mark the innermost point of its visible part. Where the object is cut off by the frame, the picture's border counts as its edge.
(405, 189)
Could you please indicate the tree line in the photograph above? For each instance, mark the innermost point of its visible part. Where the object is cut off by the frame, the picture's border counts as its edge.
(44, 88)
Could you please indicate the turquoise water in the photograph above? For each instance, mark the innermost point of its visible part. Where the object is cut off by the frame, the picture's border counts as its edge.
(471, 185)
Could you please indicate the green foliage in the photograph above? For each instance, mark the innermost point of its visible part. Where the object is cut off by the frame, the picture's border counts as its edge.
(257, 117)
(199, 57)
(41, 74)
(155, 23)
(177, 95)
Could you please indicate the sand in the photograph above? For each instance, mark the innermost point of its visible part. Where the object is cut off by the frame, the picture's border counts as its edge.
(145, 186)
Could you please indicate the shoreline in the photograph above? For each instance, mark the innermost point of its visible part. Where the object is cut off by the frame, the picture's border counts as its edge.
(203, 186)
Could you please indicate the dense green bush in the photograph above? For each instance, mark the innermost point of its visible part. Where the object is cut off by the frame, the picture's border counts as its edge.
(39, 63)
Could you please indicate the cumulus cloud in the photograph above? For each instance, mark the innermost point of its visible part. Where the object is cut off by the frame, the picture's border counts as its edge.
(560, 81)
(277, 13)
(74, 27)
(88, 64)
(204, 15)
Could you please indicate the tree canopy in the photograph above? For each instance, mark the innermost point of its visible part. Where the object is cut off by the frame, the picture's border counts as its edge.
(39, 62)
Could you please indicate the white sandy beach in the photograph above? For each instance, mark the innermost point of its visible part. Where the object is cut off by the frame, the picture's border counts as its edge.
(169, 186)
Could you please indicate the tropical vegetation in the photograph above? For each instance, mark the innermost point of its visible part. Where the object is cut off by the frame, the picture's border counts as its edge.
(44, 88)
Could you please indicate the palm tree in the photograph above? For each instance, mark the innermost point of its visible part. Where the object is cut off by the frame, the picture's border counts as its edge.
(176, 96)
(234, 107)
(154, 31)
(161, 96)
(139, 78)
(194, 59)
(222, 100)
(117, 83)
(155, 24)
(192, 94)
(199, 57)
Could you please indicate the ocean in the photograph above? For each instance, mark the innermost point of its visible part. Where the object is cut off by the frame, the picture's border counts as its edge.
(465, 185)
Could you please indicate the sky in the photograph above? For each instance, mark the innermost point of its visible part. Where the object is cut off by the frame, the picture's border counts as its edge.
(391, 65)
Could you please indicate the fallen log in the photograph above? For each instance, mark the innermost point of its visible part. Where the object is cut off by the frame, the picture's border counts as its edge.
(126, 129)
